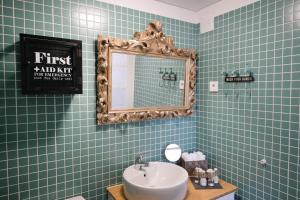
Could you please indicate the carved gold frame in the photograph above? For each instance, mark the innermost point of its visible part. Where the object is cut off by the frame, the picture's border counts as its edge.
(150, 42)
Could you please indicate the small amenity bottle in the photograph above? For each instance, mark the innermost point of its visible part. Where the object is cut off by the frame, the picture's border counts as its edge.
(203, 182)
(216, 177)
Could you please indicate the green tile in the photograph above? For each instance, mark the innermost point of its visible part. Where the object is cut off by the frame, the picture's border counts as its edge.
(269, 43)
(252, 34)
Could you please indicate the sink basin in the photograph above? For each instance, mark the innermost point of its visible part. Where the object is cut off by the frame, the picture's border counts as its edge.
(159, 181)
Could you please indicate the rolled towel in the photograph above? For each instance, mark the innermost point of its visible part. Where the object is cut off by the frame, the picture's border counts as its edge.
(198, 156)
(190, 157)
(202, 157)
(185, 156)
(193, 156)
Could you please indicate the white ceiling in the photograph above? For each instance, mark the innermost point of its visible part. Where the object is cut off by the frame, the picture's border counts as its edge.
(193, 11)
(192, 5)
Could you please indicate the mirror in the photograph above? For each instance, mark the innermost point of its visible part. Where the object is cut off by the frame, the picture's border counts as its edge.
(144, 78)
(173, 152)
(143, 81)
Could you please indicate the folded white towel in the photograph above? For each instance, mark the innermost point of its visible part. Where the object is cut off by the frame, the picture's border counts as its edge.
(202, 157)
(195, 156)
(184, 154)
(188, 158)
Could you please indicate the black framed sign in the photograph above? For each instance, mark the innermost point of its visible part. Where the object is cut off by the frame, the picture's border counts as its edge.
(238, 79)
(50, 65)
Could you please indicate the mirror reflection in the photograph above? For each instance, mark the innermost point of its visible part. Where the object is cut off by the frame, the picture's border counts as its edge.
(140, 81)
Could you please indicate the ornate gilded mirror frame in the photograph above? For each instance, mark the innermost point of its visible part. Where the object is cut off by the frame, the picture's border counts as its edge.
(154, 42)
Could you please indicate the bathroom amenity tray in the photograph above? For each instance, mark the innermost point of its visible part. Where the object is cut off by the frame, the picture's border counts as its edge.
(191, 165)
(197, 186)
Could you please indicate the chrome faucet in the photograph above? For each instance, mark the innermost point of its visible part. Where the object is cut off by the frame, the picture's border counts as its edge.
(139, 160)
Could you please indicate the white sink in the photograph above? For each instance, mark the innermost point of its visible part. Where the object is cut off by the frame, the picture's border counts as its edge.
(159, 181)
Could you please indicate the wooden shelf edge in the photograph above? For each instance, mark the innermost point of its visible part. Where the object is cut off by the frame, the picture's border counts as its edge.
(116, 192)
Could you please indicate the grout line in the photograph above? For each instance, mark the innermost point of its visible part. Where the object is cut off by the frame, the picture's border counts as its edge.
(5, 111)
(16, 108)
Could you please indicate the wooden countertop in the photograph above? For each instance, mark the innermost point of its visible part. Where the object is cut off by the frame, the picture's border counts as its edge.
(116, 192)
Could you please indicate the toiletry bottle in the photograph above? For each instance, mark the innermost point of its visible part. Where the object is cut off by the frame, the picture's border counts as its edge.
(203, 182)
(216, 177)
(210, 176)
(197, 174)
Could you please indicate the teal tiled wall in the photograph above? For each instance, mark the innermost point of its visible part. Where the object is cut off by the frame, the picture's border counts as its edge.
(50, 145)
(246, 122)
(51, 148)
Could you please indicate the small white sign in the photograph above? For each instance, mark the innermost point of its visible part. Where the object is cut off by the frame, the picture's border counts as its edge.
(213, 86)
(181, 84)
